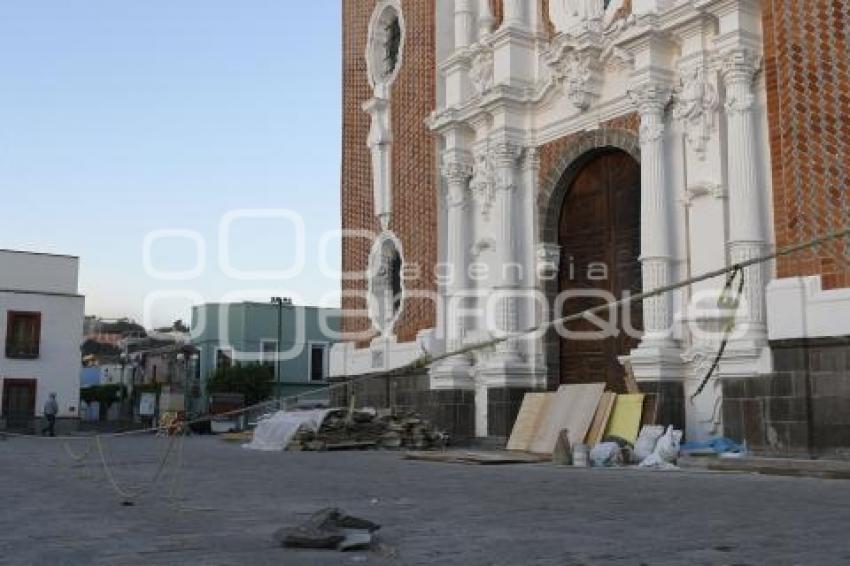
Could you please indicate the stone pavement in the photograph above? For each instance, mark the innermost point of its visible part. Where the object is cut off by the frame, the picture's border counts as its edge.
(54, 510)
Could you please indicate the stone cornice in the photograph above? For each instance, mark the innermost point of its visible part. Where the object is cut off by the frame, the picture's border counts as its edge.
(614, 51)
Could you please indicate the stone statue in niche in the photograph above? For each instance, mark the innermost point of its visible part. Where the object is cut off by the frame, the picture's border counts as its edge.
(567, 15)
(386, 291)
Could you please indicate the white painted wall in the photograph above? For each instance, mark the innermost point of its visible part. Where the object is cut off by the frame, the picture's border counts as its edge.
(23, 271)
(57, 369)
(799, 307)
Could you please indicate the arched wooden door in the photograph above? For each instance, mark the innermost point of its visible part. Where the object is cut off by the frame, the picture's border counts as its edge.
(599, 234)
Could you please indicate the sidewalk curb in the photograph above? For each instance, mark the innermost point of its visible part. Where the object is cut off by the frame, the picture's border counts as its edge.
(824, 469)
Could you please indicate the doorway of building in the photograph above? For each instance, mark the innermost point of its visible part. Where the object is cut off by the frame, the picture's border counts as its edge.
(599, 235)
(19, 402)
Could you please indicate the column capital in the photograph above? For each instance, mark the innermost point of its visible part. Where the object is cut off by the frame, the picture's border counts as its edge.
(456, 165)
(531, 158)
(506, 153)
(739, 65)
(650, 98)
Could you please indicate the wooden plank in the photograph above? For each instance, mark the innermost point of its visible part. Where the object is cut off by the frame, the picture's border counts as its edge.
(625, 418)
(632, 387)
(572, 408)
(600, 419)
(534, 407)
(474, 457)
(650, 410)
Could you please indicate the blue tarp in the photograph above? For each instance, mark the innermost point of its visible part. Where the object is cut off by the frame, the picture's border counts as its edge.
(719, 445)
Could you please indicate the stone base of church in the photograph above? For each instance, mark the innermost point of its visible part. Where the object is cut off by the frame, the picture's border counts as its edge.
(503, 404)
(802, 409)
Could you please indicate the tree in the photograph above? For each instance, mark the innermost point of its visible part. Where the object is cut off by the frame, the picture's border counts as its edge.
(104, 395)
(94, 348)
(255, 382)
(177, 326)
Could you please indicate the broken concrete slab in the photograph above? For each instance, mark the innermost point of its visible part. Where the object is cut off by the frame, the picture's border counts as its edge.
(328, 529)
(303, 537)
(355, 540)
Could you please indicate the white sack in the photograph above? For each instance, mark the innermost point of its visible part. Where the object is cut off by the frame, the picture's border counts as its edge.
(666, 452)
(606, 455)
(275, 432)
(646, 441)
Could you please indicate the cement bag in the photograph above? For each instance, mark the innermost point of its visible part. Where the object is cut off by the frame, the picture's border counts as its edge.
(606, 455)
(666, 452)
(646, 441)
(275, 432)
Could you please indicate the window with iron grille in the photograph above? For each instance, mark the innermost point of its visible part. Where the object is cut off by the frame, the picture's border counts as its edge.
(23, 335)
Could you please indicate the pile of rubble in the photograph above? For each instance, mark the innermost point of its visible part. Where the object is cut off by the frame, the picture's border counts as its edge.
(367, 428)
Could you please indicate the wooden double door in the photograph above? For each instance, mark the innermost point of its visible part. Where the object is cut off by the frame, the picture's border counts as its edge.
(599, 234)
(19, 402)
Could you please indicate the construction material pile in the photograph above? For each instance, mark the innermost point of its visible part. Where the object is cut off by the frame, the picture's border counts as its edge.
(586, 425)
(344, 429)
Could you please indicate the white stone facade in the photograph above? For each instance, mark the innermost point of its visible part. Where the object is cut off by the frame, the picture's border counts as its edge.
(691, 70)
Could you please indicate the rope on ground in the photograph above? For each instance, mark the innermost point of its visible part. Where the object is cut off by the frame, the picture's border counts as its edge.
(128, 497)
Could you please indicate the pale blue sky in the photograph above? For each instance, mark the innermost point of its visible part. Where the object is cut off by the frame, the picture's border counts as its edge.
(120, 117)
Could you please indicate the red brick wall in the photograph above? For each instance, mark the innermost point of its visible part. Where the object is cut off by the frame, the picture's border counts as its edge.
(550, 153)
(807, 72)
(414, 178)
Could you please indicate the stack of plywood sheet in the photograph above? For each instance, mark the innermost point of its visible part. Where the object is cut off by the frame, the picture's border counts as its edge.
(626, 417)
(531, 413)
(600, 420)
(587, 411)
(571, 408)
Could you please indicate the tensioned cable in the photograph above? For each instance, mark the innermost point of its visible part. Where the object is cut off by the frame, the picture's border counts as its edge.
(427, 359)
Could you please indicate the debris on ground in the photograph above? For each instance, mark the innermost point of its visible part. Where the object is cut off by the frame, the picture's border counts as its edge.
(329, 529)
(364, 429)
(342, 429)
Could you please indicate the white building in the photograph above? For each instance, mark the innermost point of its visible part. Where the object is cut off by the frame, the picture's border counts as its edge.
(41, 327)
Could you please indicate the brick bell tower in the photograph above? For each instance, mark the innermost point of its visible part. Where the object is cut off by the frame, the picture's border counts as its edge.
(390, 213)
(389, 187)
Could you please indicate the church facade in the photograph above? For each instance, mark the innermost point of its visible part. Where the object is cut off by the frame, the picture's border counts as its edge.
(507, 163)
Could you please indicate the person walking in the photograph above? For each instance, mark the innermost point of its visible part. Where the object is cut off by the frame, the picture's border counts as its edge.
(51, 408)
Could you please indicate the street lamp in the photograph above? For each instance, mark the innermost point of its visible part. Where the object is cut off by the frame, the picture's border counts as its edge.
(279, 302)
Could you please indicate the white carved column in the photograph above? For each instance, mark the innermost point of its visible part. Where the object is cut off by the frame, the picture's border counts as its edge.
(656, 209)
(505, 158)
(464, 23)
(514, 13)
(457, 170)
(746, 230)
(486, 20)
(514, 48)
